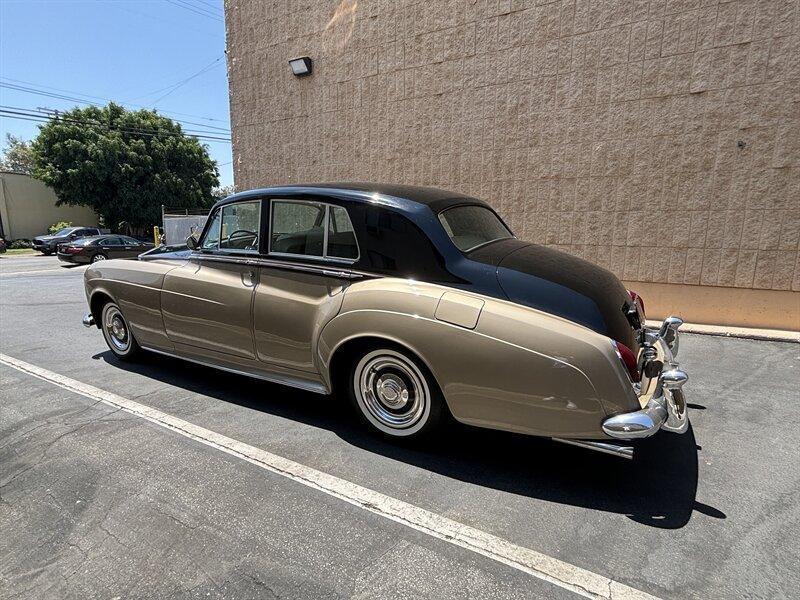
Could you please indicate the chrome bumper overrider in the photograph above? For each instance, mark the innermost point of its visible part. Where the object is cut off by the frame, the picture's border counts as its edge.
(88, 320)
(666, 407)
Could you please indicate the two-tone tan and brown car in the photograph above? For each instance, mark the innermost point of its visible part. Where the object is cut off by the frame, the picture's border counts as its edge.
(420, 304)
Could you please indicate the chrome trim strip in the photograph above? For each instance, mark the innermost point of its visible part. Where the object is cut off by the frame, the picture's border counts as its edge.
(309, 386)
(605, 447)
(322, 269)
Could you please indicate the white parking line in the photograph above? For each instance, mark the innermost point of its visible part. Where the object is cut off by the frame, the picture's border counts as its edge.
(552, 570)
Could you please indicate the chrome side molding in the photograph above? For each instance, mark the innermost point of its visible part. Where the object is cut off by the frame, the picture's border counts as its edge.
(605, 447)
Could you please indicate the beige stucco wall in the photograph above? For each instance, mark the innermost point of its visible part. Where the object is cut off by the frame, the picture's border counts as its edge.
(660, 139)
(28, 208)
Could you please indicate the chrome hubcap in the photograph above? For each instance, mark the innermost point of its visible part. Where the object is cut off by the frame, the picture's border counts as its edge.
(116, 329)
(98, 257)
(391, 389)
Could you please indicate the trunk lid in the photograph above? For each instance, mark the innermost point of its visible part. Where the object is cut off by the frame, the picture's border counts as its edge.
(564, 285)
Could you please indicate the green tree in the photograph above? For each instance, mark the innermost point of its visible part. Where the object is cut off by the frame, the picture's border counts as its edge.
(17, 155)
(123, 164)
(222, 192)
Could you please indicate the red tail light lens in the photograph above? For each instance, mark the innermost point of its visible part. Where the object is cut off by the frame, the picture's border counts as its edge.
(637, 299)
(628, 360)
(72, 250)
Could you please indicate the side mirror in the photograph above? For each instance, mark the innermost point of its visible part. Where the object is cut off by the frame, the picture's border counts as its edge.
(72, 236)
(191, 242)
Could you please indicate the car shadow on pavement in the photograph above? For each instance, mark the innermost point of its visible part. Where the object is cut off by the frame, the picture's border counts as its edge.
(657, 488)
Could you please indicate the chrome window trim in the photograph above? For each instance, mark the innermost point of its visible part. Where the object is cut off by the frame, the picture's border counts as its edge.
(325, 224)
(321, 269)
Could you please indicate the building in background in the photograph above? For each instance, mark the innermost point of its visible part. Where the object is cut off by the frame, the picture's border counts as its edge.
(658, 139)
(28, 208)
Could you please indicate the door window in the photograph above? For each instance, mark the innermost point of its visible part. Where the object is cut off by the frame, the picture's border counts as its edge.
(312, 229)
(129, 241)
(113, 241)
(240, 226)
(297, 228)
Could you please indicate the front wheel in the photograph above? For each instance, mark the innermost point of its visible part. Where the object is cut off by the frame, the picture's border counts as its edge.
(395, 395)
(117, 333)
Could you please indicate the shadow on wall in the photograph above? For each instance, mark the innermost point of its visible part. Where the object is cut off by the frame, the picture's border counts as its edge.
(657, 488)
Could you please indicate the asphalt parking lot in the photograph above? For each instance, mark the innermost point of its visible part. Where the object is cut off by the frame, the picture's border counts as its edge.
(99, 502)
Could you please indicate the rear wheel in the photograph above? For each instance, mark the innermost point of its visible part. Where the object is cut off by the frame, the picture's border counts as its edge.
(395, 394)
(117, 333)
(98, 257)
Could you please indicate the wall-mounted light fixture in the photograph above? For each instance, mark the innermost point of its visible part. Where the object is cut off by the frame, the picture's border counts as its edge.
(301, 66)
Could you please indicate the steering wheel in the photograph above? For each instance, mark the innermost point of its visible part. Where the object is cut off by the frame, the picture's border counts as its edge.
(244, 231)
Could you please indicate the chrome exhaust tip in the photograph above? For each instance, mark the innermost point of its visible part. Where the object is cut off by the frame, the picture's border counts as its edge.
(88, 320)
(605, 447)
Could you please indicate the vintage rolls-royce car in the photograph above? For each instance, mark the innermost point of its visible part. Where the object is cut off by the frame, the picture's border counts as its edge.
(419, 304)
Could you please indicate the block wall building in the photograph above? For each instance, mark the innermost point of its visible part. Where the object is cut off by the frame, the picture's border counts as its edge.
(660, 139)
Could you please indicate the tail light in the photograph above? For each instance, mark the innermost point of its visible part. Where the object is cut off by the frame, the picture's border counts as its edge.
(628, 360)
(637, 299)
(71, 250)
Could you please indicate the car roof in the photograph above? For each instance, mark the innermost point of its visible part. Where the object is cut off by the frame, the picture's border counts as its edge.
(396, 195)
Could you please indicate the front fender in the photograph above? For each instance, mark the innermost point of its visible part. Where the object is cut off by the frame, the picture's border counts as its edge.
(511, 368)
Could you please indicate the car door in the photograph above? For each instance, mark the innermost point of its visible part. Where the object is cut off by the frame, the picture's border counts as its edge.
(131, 247)
(112, 247)
(207, 302)
(311, 246)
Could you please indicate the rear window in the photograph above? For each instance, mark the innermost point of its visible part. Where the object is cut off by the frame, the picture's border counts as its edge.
(472, 226)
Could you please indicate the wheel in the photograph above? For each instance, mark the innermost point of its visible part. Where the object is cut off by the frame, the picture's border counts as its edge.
(98, 257)
(117, 333)
(47, 252)
(394, 394)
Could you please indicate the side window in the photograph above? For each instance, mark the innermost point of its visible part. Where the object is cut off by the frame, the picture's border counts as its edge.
(341, 236)
(297, 228)
(129, 241)
(211, 239)
(113, 241)
(240, 226)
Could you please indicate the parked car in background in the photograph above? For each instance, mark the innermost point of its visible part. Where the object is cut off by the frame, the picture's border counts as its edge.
(2, 245)
(419, 304)
(48, 244)
(101, 247)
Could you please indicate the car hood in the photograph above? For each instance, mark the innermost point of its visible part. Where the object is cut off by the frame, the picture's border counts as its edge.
(561, 284)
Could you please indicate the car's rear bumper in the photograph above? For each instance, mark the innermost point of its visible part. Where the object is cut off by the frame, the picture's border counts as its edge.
(661, 389)
(73, 258)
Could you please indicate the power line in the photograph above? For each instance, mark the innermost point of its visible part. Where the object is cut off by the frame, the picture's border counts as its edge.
(40, 92)
(194, 9)
(180, 84)
(26, 115)
(36, 88)
(212, 6)
(49, 112)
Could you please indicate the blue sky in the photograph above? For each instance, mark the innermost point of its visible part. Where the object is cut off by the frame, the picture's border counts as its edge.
(134, 52)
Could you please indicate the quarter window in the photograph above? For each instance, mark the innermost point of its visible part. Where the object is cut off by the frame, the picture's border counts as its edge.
(312, 229)
(341, 236)
(211, 239)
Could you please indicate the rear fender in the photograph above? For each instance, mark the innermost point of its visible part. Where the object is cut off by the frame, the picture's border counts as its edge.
(509, 367)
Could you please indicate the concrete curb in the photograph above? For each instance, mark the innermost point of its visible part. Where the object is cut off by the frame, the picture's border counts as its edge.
(773, 335)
